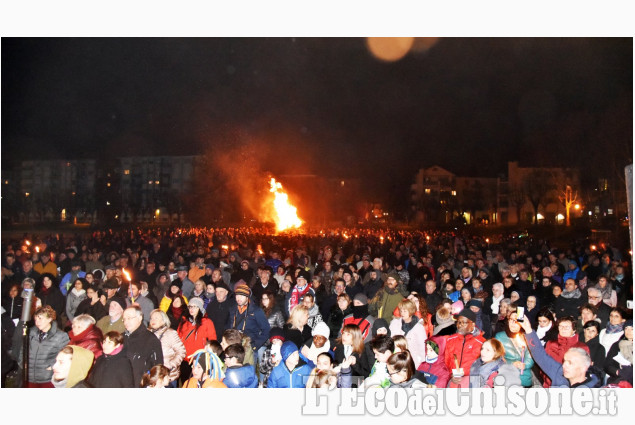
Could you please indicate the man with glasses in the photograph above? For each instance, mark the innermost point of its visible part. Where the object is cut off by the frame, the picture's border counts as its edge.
(142, 346)
(463, 348)
(603, 310)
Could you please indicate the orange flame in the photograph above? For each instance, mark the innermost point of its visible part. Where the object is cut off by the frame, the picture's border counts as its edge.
(125, 273)
(285, 214)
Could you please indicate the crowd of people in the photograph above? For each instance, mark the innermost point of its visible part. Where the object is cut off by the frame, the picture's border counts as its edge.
(246, 308)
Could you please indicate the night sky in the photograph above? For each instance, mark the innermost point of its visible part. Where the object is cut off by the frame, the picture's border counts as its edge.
(323, 106)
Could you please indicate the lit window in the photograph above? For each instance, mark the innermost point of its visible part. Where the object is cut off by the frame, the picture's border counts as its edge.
(609, 211)
(27, 194)
(342, 183)
(150, 182)
(108, 184)
(126, 172)
(427, 191)
(454, 193)
(6, 182)
(73, 193)
(156, 182)
(68, 164)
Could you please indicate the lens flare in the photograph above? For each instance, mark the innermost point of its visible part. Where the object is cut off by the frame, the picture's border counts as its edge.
(285, 214)
(126, 274)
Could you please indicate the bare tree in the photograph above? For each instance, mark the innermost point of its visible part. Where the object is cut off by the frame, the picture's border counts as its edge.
(537, 185)
(568, 198)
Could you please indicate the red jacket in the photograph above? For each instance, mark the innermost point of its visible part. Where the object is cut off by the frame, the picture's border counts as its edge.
(467, 348)
(557, 348)
(195, 339)
(90, 339)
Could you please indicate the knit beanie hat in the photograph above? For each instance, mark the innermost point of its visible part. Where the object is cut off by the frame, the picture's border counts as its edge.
(361, 298)
(276, 333)
(119, 301)
(241, 288)
(197, 302)
(468, 314)
(321, 328)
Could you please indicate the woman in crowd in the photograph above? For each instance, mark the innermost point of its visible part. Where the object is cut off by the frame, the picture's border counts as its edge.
(609, 295)
(112, 369)
(339, 311)
(51, 295)
(196, 328)
(85, 334)
(271, 309)
(94, 304)
(296, 329)
(614, 329)
(157, 377)
(491, 364)
(591, 332)
(12, 301)
(177, 312)
(515, 349)
(402, 372)
(546, 329)
(171, 345)
(619, 360)
(207, 371)
(349, 349)
(75, 296)
(412, 328)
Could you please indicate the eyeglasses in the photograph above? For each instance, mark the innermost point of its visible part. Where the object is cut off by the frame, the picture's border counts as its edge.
(394, 373)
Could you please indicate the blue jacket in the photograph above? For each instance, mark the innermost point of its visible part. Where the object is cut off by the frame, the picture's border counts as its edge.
(553, 368)
(281, 377)
(252, 323)
(66, 283)
(241, 377)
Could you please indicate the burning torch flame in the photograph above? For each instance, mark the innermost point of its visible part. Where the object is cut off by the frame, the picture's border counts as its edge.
(37, 249)
(125, 273)
(225, 247)
(285, 214)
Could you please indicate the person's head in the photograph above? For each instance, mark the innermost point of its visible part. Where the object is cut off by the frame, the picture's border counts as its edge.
(47, 280)
(512, 327)
(401, 343)
(628, 329)
(339, 286)
(498, 289)
(81, 323)
(199, 286)
(231, 336)
(531, 302)
(320, 334)
(242, 292)
(545, 317)
(588, 312)
(324, 361)
(72, 357)
(492, 349)
(400, 367)
(466, 294)
(407, 309)
(234, 355)
(575, 365)
(298, 317)
(308, 300)
(157, 377)
(111, 341)
(431, 287)
(343, 301)
(116, 308)
(14, 290)
(196, 307)
(383, 347)
(132, 318)
(391, 282)
(221, 292)
(595, 296)
(158, 319)
(44, 317)
(352, 335)
(566, 326)
(591, 330)
(459, 284)
(570, 285)
(290, 354)
(616, 316)
(465, 322)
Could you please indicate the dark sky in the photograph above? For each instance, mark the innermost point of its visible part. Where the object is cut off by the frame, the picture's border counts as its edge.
(321, 105)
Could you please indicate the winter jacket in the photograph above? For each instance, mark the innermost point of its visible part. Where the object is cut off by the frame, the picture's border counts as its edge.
(106, 326)
(173, 350)
(73, 299)
(466, 348)
(241, 377)
(252, 322)
(482, 375)
(414, 382)
(385, 301)
(553, 368)
(361, 318)
(513, 354)
(144, 351)
(113, 371)
(608, 339)
(13, 306)
(89, 339)
(195, 338)
(416, 339)
(556, 349)
(598, 354)
(55, 299)
(282, 377)
(42, 354)
(81, 363)
(146, 307)
(611, 366)
(336, 319)
(276, 318)
(208, 383)
(218, 313)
